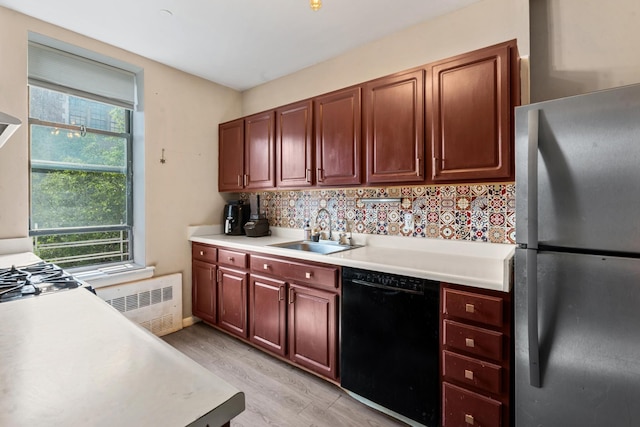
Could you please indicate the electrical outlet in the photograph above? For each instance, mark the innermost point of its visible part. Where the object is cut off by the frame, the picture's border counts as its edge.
(408, 222)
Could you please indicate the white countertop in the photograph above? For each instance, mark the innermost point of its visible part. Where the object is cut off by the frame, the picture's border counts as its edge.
(69, 359)
(476, 264)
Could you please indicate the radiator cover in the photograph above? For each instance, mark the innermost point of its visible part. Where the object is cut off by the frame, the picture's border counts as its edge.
(155, 304)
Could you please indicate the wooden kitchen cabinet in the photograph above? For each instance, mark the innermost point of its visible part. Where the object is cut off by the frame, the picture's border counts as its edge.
(313, 327)
(294, 145)
(259, 151)
(337, 123)
(246, 153)
(231, 156)
(268, 313)
(311, 292)
(471, 115)
(287, 307)
(476, 331)
(232, 301)
(204, 271)
(393, 115)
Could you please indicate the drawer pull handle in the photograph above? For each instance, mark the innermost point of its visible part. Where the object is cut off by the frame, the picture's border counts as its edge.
(468, 418)
(469, 342)
(230, 259)
(468, 374)
(201, 253)
(265, 266)
(470, 308)
(308, 275)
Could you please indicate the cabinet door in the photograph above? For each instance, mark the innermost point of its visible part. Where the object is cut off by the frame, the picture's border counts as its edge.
(203, 293)
(231, 155)
(471, 116)
(337, 132)
(313, 329)
(267, 313)
(259, 151)
(232, 301)
(394, 128)
(294, 145)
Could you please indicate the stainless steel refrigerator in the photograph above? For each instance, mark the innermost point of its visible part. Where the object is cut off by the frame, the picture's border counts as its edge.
(577, 268)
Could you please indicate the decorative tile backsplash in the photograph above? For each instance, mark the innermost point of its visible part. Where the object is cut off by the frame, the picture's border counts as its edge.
(461, 212)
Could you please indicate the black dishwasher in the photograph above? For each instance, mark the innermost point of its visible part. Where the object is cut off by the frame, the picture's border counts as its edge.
(389, 342)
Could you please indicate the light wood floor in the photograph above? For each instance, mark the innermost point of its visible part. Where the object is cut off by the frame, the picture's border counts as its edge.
(276, 393)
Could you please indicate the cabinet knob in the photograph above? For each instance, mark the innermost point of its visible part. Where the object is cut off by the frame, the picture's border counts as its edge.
(308, 275)
(201, 253)
(468, 374)
(469, 342)
(468, 418)
(230, 259)
(470, 308)
(265, 266)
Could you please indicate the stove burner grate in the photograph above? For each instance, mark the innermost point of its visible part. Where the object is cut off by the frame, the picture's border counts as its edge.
(34, 279)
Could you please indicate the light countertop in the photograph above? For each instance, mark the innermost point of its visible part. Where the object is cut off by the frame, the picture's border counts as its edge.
(476, 264)
(69, 359)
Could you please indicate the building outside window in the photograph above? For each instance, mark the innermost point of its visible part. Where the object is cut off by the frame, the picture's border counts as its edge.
(81, 173)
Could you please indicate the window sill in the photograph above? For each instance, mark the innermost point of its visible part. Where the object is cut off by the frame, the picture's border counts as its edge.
(113, 275)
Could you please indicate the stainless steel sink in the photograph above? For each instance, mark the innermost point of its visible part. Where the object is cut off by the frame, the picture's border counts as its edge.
(322, 247)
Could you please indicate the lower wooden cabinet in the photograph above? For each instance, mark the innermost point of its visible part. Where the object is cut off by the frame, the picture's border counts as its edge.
(204, 291)
(475, 357)
(232, 301)
(289, 308)
(268, 313)
(313, 329)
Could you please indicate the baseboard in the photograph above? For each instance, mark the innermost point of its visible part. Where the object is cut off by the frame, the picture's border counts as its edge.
(189, 321)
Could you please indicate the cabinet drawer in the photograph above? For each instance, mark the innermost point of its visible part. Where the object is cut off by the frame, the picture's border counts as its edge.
(266, 265)
(326, 277)
(462, 407)
(203, 252)
(232, 258)
(475, 307)
(470, 339)
(467, 370)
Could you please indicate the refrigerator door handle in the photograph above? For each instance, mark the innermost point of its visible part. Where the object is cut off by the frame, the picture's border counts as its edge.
(532, 180)
(532, 317)
(532, 246)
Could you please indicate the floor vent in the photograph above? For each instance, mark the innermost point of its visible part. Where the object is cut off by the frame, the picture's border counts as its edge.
(155, 304)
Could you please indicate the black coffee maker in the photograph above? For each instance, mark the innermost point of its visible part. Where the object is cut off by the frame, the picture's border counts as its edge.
(235, 216)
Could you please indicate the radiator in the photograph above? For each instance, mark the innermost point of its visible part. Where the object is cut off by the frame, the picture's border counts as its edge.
(155, 304)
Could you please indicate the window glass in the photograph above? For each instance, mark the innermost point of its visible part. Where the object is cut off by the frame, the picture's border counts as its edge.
(80, 179)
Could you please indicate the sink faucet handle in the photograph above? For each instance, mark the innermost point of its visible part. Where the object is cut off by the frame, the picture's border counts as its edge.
(343, 238)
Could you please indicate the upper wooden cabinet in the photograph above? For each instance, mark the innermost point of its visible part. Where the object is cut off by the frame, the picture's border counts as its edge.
(259, 152)
(471, 115)
(294, 145)
(231, 156)
(246, 153)
(393, 114)
(447, 122)
(337, 131)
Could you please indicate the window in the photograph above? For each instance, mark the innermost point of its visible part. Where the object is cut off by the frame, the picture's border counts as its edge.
(81, 167)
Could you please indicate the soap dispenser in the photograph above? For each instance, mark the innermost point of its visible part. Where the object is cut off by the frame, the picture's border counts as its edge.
(307, 230)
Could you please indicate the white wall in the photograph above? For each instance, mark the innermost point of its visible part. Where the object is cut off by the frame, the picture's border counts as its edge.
(481, 24)
(181, 115)
(579, 46)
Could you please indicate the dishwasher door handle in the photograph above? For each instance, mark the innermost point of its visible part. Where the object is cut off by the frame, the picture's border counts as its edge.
(386, 288)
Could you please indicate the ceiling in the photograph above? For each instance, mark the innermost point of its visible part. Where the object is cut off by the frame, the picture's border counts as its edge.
(236, 43)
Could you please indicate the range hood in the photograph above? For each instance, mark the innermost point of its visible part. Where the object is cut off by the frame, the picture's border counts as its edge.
(8, 125)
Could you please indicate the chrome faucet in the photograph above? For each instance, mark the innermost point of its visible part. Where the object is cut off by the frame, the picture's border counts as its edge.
(329, 215)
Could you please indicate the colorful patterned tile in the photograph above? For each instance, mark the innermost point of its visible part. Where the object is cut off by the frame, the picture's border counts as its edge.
(447, 232)
(496, 234)
(465, 212)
